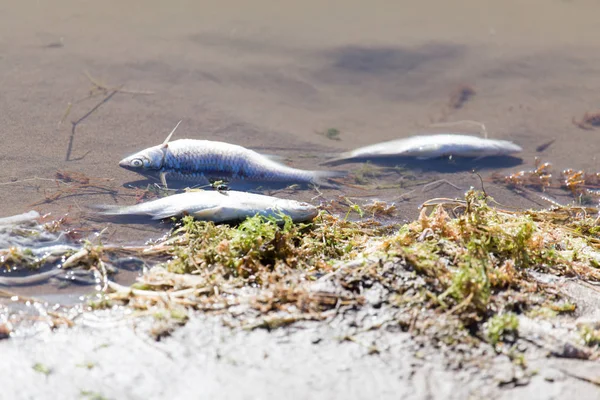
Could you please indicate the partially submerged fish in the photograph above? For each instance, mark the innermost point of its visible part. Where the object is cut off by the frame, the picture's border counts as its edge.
(217, 206)
(21, 218)
(425, 147)
(200, 162)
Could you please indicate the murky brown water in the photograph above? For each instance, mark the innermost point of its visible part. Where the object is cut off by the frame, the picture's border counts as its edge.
(269, 76)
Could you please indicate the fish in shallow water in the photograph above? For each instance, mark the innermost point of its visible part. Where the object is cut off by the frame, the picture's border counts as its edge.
(426, 147)
(200, 162)
(217, 206)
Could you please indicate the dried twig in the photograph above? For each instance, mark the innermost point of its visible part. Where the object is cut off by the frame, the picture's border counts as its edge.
(97, 89)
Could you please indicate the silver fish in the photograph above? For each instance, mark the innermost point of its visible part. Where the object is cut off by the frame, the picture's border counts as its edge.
(201, 162)
(433, 146)
(21, 218)
(217, 206)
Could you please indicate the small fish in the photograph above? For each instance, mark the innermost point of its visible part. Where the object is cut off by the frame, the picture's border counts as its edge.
(201, 162)
(216, 206)
(544, 146)
(433, 146)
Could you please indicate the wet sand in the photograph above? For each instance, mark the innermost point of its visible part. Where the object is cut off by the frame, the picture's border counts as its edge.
(269, 76)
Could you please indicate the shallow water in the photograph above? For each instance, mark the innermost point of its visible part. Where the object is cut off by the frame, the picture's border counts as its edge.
(271, 76)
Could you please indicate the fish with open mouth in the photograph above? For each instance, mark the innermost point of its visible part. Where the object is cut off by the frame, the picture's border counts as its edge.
(200, 162)
(424, 147)
(216, 206)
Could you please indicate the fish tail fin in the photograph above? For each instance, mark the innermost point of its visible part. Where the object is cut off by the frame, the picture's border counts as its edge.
(107, 210)
(325, 178)
(104, 212)
(115, 210)
(124, 214)
(133, 211)
(338, 159)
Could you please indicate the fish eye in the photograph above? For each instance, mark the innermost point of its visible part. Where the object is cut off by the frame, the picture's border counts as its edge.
(136, 162)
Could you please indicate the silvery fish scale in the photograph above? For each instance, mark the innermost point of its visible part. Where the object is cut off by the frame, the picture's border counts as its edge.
(203, 161)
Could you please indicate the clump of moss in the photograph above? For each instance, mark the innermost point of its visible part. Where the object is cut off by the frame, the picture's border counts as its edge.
(331, 134)
(366, 173)
(500, 325)
(261, 245)
(213, 267)
(590, 336)
(552, 309)
(563, 307)
(480, 260)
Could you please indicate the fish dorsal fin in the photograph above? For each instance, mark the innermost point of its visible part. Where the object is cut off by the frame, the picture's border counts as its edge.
(171, 134)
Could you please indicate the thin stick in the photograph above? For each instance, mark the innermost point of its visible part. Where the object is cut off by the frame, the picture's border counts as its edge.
(119, 88)
(439, 182)
(93, 93)
(98, 88)
(74, 126)
(66, 113)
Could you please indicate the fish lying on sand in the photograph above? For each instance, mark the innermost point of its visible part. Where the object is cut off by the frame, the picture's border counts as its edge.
(200, 162)
(217, 206)
(425, 147)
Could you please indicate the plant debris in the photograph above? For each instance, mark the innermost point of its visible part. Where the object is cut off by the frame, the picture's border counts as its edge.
(68, 184)
(98, 89)
(500, 325)
(588, 122)
(380, 209)
(331, 134)
(369, 174)
(477, 269)
(461, 95)
(258, 264)
(472, 271)
(42, 369)
(539, 178)
(580, 184)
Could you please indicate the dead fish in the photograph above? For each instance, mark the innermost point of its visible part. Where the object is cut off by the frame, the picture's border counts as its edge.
(201, 162)
(426, 147)
(217, 206)
(21, 218)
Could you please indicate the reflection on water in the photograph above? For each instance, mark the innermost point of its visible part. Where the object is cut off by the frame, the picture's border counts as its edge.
(39, 259)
